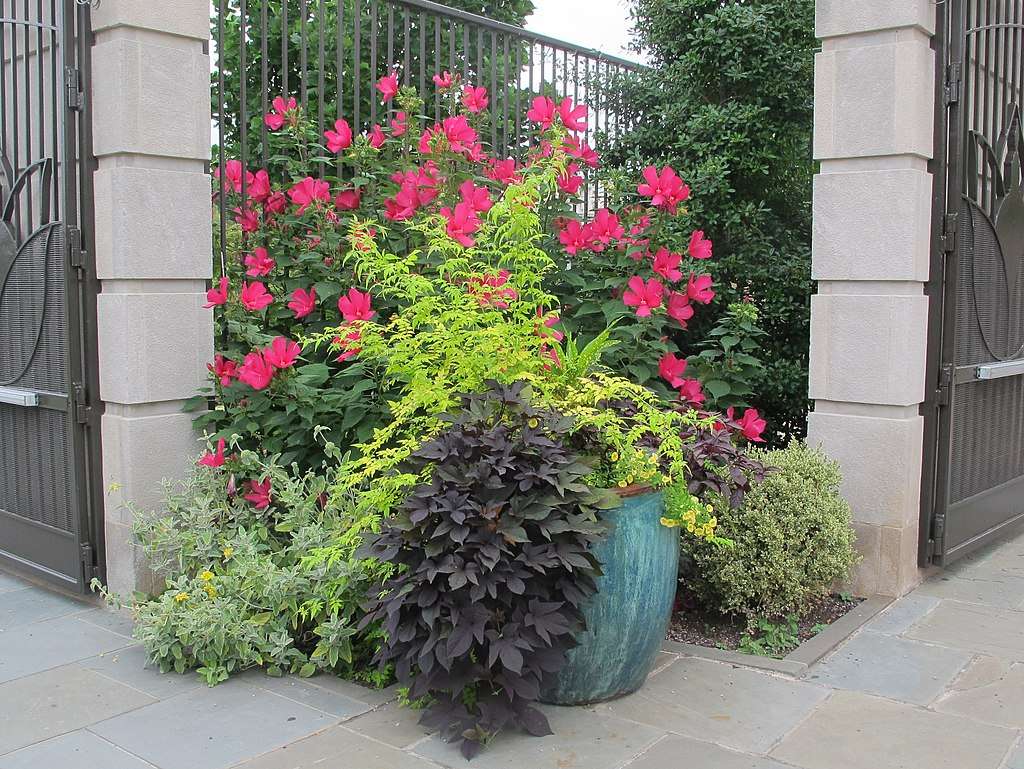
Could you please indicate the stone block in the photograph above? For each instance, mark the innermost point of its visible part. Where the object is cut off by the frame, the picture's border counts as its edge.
(868, 348)
(139, 453)
(883, 487)
(975, 628)
(863, 579)
(127, 568)
(150, 99)
(872, 225)
(139, 234)
(153, 347)
(875, 100)
(187, 18)
(833, 18)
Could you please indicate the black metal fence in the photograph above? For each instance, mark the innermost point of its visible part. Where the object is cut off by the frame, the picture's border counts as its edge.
(328, 54)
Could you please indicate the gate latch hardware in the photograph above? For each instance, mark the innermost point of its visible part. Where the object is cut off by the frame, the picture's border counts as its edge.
(945, 385)
(82, 409)
(89, 568)
(76, 256)
(73, 88)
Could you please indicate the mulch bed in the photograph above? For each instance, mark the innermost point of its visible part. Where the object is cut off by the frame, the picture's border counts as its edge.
(704, 627)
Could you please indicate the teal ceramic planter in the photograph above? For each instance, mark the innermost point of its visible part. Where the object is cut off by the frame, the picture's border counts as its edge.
(628, 617)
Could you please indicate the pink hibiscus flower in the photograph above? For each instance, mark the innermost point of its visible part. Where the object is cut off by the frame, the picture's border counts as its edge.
(477, 197)
(280, 109)
(340, 138)
(461, 223)
(691, 392)
(303, 302)
(259, 494)
(254, 296)
(644, 295)
(444, 80)
(255, 371)
(574, 118)
(259, 263)
(671, 369)
(348, 200)
(308, 190)
(355, 305)
(576, 237)
(282, 353)
(666, 264)
(217, 296)
(665, 189)
(213, 459)
(474, 99)
(542, 110)
(698, 288)
(223, 368)
(679, 308)
(700, 247)
(388, 86)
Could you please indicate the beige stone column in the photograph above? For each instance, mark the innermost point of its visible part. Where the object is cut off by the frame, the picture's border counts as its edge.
(874, 136)
(151, 129)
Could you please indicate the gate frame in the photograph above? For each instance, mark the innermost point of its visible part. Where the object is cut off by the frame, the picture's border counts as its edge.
(81, 287)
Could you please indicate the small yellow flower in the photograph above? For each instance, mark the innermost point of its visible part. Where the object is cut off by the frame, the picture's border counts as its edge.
(623, 484)
(710, 509)
(228, 551)
(181, 597)
(668, 522)
(614, 456)
(629, 478)
(533, 422)
(206, 576)
(210, 590)
(690, 527)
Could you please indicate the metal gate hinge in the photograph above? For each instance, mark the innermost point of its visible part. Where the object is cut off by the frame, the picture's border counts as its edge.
(950, 224)
(945, 385)
(952, 85)
(73, 88)
(89, 566)
(81, 404)
(77, 254)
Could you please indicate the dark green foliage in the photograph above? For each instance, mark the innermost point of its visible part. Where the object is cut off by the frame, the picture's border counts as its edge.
(729, 105)
(728, 364)
(493, 563)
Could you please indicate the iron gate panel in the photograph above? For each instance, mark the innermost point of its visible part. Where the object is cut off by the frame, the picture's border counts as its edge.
(46, 295)
(974, 487)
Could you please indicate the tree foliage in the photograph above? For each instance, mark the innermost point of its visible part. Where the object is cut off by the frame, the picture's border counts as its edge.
(729, 98)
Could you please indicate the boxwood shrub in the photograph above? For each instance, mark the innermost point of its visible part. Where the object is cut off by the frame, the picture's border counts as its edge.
(792, 539)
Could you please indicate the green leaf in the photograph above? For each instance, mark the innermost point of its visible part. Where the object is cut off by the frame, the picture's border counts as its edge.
(307, 670)
(717, 388)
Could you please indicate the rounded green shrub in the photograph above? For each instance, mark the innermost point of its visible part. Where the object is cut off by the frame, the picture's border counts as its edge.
(792, 539)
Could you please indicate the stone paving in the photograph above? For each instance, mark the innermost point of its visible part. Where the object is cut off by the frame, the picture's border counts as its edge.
(934, 682)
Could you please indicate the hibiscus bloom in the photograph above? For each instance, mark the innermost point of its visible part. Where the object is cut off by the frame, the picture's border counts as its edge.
(574, 118)
(444, 80)
(309, 189)
(459, 133)
(388, 86)
(259, 494)
(571, 181)
(478, 197)
(247, 219)
(277, 203)
(282, 353)
(671, 369)
(542, 111)
(700, 247)
(698, 288)
(750, 424)
(580, 149)
(399, 124)
(234, 172)
(355, 305)
(605, 228)
(224, 369)
(377, 137)
(691, 392)
(503, 171)
(679, 308)
(259, 187)
(666, 264)
(644, 295)
(665, 189)
(348, 200)
(490, 291)
(303, 302)
(461, 223)
(340, 138)
(255, 371)
(474, 99)
(254, 296)
(280, 110)
(576, 237)
(214, 459)
(217, 296)
(259, 263)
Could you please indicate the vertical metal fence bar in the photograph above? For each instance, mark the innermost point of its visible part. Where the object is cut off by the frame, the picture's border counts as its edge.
(44, 203)
(373, 59)
(285, 37)
(494, 89)
(422, 65)
(407, 41)
(303, 55)
(506, 81)
(983, 127)
(437, 67)
(478, 76)
(518, 91)
(264, 85)
(243, 107)
(58, 203)
(1017, 43)
(540, 83)
(339, 55)
(321, 97)
(465, 52)
(357, 125)
(221, 197)
(25, 71)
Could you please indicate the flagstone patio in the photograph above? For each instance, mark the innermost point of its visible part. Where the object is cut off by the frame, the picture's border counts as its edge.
(935, 681)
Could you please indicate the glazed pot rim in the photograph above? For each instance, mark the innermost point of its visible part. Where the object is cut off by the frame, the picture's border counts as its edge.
(636, 490)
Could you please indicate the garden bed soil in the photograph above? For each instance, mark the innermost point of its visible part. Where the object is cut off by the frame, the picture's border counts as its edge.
(708, 628)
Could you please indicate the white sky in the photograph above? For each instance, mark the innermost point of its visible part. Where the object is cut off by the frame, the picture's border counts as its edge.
(601, 24)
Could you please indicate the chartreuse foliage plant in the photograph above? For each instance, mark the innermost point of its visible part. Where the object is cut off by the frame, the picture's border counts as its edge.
(493, 562)
(792, 539)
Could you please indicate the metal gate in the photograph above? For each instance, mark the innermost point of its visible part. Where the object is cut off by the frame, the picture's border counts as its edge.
(974, 476)
(48, 433)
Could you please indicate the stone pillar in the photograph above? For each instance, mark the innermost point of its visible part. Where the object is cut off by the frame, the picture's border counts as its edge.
(874, 135)
(151, 129)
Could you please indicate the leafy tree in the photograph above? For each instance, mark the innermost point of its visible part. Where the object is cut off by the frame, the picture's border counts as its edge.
(728, 101)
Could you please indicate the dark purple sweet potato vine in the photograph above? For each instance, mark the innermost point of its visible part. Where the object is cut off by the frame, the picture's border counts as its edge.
(493, 564)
